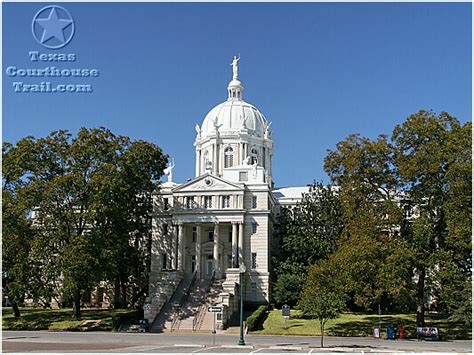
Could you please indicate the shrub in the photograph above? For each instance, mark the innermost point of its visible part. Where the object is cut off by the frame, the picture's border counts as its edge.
(256, 319)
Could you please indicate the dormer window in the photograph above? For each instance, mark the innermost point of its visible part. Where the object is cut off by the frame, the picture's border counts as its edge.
(228, 157)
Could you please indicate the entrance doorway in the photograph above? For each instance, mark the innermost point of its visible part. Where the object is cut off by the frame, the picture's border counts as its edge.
(209, 266)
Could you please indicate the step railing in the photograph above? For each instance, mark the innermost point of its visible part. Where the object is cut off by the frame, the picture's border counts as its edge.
(199, 318)
(176, 319)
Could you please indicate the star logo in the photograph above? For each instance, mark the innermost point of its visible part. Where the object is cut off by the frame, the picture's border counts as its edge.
(53, 27)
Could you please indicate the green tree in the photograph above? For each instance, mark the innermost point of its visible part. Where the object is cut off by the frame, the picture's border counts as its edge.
(433, 162)
(323, 297)
(75, 188)
(364, 172)
(309, 233)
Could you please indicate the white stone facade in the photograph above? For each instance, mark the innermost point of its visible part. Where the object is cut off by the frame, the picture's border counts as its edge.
(224, 216)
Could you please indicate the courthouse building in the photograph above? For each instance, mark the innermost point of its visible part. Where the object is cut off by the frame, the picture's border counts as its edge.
(207, 228)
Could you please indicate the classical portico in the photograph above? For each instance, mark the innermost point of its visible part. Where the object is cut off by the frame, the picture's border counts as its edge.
(220, 248)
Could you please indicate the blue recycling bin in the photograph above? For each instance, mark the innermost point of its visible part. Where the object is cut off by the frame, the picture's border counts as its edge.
(390, 333)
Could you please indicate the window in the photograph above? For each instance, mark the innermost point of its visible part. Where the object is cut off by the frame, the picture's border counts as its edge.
(194, 234)
(253, 156)
(189, 201)
(165, 229)
(211, 236)
(226, 201)
(207, 201)
(254, 260)
(254, 227)
(243, 176)
(228, 157)
(229, 260)
(165, 204)
(253, 291)
(164, 264)
(254, 201)
(193, 263)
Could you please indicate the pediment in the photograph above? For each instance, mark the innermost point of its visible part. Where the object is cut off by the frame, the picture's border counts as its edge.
(208, 182)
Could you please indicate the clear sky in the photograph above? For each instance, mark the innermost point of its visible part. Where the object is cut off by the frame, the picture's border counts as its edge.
(319, 72)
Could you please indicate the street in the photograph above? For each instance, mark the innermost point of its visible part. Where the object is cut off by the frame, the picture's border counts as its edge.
(62, 342)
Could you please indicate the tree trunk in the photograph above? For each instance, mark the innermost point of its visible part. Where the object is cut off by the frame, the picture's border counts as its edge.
(16, 310)
(420, 296)
(76, 306)
(124, 293)
(322, 333)
(117, 303)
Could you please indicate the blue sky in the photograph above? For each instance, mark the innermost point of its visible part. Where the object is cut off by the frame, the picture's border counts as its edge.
(319, 72)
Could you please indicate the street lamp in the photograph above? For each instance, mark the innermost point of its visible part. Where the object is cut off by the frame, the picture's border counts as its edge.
(242, 269)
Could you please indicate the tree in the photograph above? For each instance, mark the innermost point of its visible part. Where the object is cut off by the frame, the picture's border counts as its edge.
(308, 233)
(323, 297)
(89, 196)
(433, 162)
(364, 173)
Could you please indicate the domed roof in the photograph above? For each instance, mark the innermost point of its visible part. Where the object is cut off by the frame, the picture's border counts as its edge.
(233, 116)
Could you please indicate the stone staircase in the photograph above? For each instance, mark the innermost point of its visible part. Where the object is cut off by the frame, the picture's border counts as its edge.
(166, 319)
(194, 315)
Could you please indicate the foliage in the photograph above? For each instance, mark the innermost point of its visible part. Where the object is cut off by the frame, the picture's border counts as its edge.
(407, 212)
(256, 319)
(323, 296)
(89, 197)
(287, 289)
(308, 233)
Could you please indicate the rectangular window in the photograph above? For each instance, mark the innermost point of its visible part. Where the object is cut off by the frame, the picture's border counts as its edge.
(253, 293)
(229, 260)
(165, 229)
(254, 260)
(254, 201)
(226, 201)
(254, 227)
(164, 264)
(189, 201)
(243, 176)
(194, 234)
(211, 236)
(207, 201)
(165, 204)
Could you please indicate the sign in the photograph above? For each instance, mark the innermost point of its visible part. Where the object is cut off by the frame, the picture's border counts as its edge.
(427, 332)
(285, 311)
(214, 309)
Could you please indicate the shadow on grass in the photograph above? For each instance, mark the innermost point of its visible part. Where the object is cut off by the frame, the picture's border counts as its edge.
(43, 319)
(365, 326)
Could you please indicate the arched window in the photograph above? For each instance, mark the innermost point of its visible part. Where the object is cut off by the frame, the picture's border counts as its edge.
(228, 157)
(253, 156)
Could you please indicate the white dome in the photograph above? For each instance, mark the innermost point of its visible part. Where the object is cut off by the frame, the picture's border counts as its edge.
(232, 116)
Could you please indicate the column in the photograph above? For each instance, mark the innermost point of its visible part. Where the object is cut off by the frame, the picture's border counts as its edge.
(198, 251)
(241, 243)
(216, 250)
(174, 245)
(180, 247)
(234, 244)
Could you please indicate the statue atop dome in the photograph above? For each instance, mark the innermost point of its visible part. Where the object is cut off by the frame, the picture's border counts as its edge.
(235, 67)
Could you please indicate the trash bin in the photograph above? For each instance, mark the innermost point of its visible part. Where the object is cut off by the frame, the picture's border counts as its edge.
(390, 333)
(400, 329)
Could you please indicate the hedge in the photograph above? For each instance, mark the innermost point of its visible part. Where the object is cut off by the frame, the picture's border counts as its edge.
(256, 319)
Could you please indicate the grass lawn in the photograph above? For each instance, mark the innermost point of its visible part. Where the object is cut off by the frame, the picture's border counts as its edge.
(58, 319)
(357, 324)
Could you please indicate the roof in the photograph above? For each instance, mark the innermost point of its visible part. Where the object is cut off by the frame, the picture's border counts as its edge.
(289, 194)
